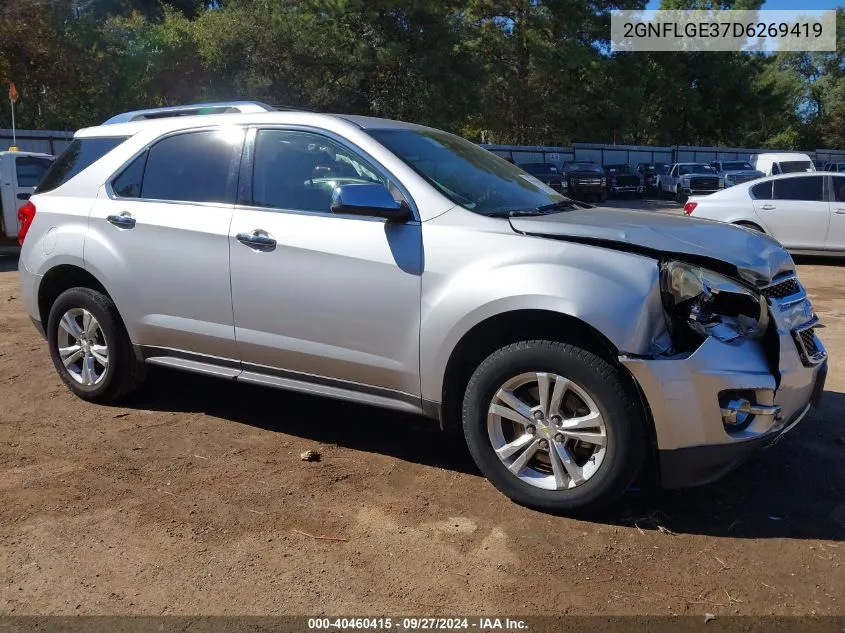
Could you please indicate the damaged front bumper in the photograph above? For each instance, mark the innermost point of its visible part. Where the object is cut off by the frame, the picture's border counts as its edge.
(714, 407)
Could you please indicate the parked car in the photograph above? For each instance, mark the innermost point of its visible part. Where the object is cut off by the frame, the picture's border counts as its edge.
(400, 266)
(650, 173)
(689, 179)
(804, 212)
(19, 173)
(546, 173)
(585, 179)
(835, 167)
(622, 179)
(734, 172)
(775, 163)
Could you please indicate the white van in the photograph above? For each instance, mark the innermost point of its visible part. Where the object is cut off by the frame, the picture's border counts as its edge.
(20, 172)
(782, 163)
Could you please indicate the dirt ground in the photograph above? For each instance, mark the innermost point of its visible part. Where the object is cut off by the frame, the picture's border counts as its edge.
(192, 499)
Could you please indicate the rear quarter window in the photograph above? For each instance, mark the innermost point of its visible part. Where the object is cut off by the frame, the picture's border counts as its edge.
(80, 154)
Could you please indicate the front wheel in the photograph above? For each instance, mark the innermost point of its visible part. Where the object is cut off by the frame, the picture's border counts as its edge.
(553, 426)
(90, 347)
(680, 196)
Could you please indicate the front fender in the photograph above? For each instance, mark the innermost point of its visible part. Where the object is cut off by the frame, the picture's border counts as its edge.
(616, 293)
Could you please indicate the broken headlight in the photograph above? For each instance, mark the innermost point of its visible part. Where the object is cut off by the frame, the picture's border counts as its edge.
(701, 303)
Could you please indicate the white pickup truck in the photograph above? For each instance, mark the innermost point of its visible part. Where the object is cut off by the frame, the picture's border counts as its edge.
(20, 172)
(689, 179)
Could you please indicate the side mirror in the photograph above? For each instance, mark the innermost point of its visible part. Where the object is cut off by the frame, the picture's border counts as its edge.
(368, 199)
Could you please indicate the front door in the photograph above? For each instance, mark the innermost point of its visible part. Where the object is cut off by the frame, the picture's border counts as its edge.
(322, 298)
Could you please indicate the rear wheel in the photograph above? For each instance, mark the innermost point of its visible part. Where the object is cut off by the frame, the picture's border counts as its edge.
(90, 347)
(553, 427)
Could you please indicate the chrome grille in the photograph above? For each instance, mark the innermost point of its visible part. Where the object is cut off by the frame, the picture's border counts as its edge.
(782, 289)
(809, 346)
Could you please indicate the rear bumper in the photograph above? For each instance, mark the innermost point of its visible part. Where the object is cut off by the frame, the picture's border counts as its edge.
(29, 292)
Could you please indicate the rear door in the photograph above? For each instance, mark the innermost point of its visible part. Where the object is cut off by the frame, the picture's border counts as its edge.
(21, 174)
(798, 214)
(159, 238)
(836, 234)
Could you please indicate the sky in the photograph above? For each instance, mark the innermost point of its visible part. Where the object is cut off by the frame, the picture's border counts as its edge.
(783, 4)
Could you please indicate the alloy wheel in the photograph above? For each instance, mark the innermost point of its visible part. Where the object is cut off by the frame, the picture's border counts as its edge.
(547, 431)
(82, 347)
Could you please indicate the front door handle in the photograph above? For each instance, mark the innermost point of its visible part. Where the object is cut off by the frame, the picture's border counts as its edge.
(124, 220)
(768, 207)
(840, 212)
(258, 238)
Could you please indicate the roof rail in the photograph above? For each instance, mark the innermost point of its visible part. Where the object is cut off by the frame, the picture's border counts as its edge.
(244, 107)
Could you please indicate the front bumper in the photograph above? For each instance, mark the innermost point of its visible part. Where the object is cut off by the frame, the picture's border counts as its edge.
(683, 395)
(626, 189)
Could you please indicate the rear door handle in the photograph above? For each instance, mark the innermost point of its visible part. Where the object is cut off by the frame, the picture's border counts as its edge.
(768, 207)
(840, 212)
(259, 239)
(123, 221)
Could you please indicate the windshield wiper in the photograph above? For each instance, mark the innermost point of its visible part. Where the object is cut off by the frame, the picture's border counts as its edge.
(544, 209)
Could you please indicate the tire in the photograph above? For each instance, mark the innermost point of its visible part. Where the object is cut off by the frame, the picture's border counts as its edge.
(680, 198)
(603, 197)
(106, 339)
(600, 383)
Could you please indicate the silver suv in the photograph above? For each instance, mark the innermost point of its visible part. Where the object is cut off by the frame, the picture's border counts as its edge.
(400, 266)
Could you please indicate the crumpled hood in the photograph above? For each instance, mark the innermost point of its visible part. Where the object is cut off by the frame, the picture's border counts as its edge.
(753, 256)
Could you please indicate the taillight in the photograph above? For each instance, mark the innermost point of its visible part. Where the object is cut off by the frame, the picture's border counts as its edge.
(689, 207)
(26, 214)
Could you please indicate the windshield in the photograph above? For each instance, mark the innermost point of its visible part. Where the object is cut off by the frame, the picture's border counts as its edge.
(699, 168)
(617, 169)
(793, 166)
(539, 168)
(31, 169)
(467, 174)
(655, 166)
(736, 166)
(585, 165)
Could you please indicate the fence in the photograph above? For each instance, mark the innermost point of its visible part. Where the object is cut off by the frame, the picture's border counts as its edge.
(633, 154)
(45, 141)
(53, 142)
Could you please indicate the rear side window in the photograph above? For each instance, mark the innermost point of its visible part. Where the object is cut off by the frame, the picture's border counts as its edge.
(839, 188)
(81, 153)
(808, 189)
(31, 169)
(192, 167)
(763, 191)
(128, 183)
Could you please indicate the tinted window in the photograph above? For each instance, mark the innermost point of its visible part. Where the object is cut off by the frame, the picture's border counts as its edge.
(809, 188)
(540, 168)
(81, 153)
(617, 169)
(839, 188)
(31, 169)
(194, 167)
(791, 167)
(763, 191)
(128, 183)
(300, 170)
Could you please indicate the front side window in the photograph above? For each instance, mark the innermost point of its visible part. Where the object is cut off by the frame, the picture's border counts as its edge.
(300, 170)
(80, 154)
(808, 189)
(467, 174)
(30, 170)
(192, 167)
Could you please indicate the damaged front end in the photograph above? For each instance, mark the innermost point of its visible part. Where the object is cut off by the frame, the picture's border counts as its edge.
(739, 368)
